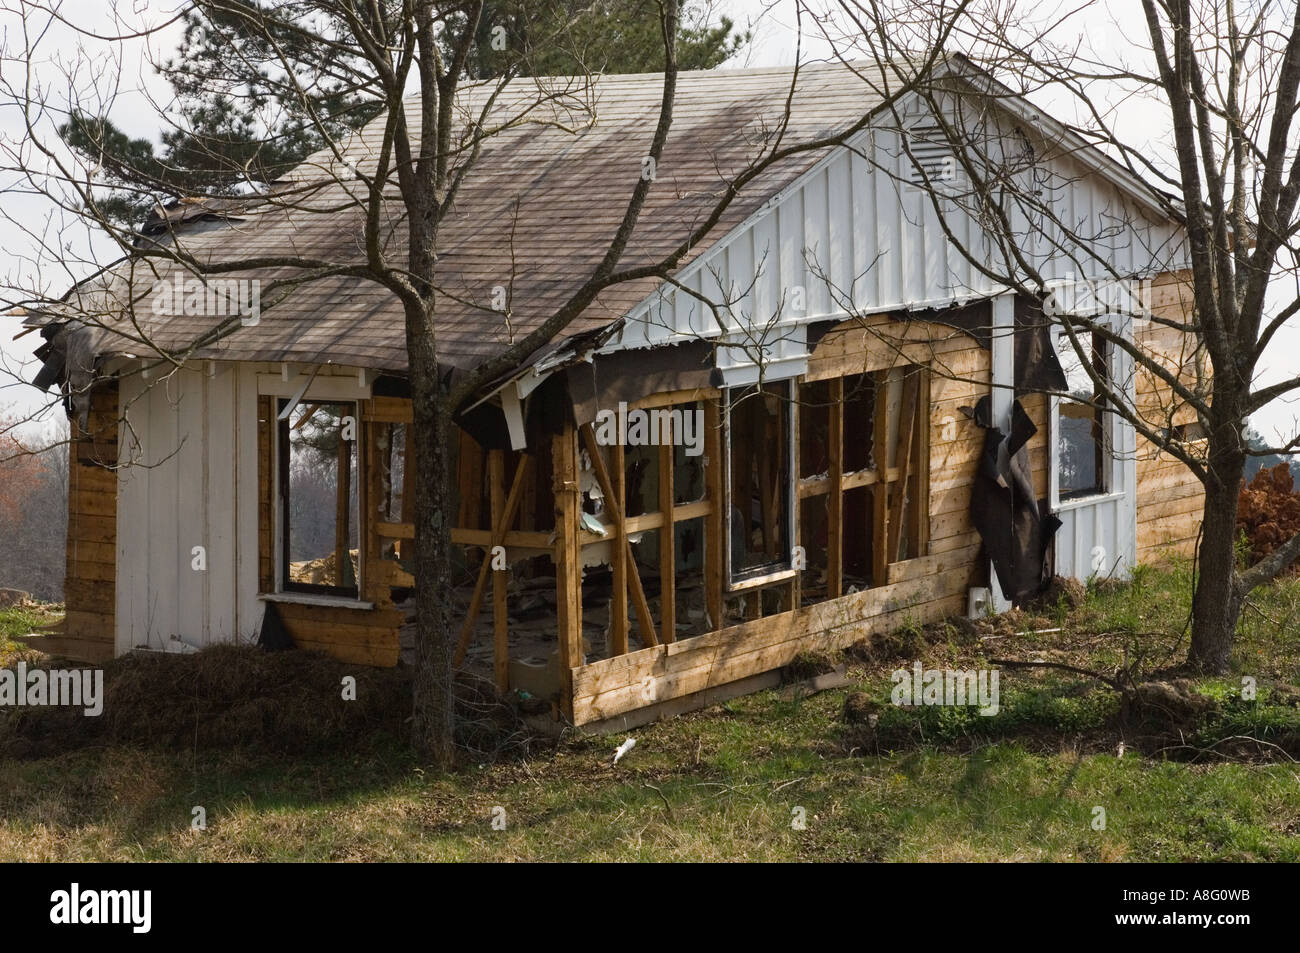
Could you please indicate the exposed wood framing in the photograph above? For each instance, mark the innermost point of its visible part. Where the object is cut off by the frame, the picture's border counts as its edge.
(568, 565)
(881, 434)
(645, 622)
(835, 501)
(497, 538)
(715, 494)
(667, 547)
(618, 626)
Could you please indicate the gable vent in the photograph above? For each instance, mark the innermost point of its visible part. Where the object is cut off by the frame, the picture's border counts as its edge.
(932, 156)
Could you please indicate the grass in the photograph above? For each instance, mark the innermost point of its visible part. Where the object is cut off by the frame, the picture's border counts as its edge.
(732, 782)
(19, 620)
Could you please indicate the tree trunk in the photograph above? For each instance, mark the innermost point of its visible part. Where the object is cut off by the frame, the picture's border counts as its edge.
(1217, 601)
(434, 721)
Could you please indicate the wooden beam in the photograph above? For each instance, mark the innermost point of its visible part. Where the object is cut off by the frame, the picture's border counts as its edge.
(682, 511)
(713, 524)
(408, 481)
(645, 622)
(568, 566)
(373, 584)
(618, 603)
(920, 526)
(835, 501)
(667, 547)
(908, 421)
(343, 513)
(796, 581)
(669, 398)
(497, 539)
(500, 623)
(881, 442)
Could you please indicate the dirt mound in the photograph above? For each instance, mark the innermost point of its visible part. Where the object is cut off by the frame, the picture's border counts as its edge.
(229, 697)
(1171, 704)
(1060, 589)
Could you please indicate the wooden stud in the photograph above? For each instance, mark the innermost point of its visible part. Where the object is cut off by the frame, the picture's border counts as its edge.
(713, 525)
(342, 512)
(618, 603)
(919, 525)
(645, 622)
(408, 479)
(500, 628)
(667, 543)
(835, 499)
(796, 581)
(880, 433)
(907, 425)
(568, 566)
(497, 539)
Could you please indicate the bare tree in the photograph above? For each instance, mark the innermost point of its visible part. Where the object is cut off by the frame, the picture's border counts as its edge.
(1226, 76)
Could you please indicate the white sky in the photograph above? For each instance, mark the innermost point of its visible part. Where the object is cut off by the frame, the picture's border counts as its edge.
(122, 72)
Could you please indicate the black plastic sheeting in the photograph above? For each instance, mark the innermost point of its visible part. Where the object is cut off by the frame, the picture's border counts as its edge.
(272, 636)
(1037, 366)
(627, 376)
(1017, 530)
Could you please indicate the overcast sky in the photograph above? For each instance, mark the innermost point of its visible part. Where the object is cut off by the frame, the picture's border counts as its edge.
(123, 71)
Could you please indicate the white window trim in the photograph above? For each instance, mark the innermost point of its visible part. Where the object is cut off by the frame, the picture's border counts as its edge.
(1112, 435)
(281, 594)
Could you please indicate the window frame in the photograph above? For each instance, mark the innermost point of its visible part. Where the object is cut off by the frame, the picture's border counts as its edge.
(777, 571)
(279, 486)
(1112, 475)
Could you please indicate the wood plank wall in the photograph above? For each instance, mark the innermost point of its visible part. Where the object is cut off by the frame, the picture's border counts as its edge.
(925, 588)
(89, 586)
(1170, 499)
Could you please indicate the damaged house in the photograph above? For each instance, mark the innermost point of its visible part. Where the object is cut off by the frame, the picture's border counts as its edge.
(827, 423)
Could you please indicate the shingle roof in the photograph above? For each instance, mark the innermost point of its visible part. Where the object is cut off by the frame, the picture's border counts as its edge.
(534, 215)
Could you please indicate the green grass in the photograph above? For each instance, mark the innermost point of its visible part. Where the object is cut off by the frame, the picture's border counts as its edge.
(728, 783)
(16, 621)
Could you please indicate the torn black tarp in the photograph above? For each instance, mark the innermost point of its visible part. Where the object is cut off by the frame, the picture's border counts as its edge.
(68, 359)
(629, 376)
(1037, 365)
(1016, 529)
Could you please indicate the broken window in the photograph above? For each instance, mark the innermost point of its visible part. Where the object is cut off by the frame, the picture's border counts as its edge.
(318, 484)
(864, 478)
(1082, 455)
(758, 479)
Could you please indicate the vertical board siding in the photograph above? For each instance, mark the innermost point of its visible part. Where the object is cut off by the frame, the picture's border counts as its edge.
(90, 579)
(188, 480)
(882, 245)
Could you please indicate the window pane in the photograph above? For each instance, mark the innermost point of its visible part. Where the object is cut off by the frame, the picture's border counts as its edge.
(321, 499)
(759, 472)
(1081, 447)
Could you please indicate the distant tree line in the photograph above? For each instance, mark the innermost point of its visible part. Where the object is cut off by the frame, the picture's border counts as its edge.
(33, 514)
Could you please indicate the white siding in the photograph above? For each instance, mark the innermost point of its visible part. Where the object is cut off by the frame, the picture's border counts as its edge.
(190, 478)
(882, 247)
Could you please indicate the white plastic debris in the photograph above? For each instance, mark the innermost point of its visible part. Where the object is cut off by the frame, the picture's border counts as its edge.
(623, 749)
